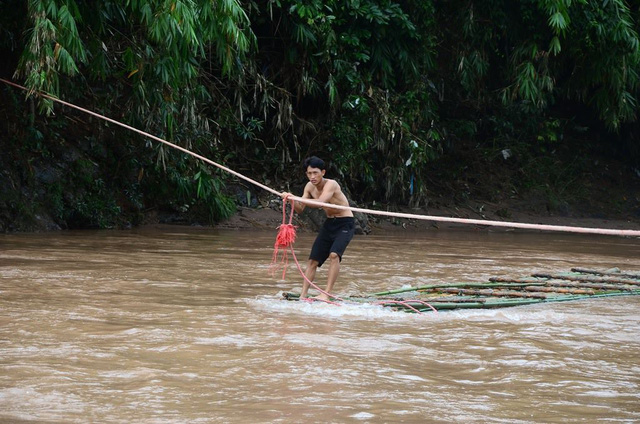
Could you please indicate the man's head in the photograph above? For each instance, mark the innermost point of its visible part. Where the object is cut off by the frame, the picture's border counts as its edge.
(314, 168)
(313, 162)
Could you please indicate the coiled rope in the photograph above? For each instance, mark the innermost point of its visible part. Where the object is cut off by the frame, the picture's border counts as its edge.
(541, 227)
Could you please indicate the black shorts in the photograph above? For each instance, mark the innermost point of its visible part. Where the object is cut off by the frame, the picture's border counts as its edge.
(334, 236)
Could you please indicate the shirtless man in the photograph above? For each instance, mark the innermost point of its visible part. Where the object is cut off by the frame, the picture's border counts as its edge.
(336, 232)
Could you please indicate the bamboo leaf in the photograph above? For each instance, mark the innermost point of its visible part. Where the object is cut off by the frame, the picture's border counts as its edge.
(554, 46)
(557, 21)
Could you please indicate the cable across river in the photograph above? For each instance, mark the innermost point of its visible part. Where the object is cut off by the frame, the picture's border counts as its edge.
(467, 221)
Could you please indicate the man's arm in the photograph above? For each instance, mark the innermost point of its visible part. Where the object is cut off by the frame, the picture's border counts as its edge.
(328, 193)
(306, 194)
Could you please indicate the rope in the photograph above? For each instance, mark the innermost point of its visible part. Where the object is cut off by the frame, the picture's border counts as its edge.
(285, 238)
(542, 227)
(399, 302)
(311, 283)
(405, 303)
(423, 303)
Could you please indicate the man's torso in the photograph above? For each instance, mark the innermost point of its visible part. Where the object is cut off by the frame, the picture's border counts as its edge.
(338, 198)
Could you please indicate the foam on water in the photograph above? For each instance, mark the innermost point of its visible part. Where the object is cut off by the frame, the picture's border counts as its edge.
(227, 340)
(320, 309)
(22, 400)
(363, 416)
(522, 315)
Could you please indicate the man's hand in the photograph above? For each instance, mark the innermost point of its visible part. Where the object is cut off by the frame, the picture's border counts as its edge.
(297, 206)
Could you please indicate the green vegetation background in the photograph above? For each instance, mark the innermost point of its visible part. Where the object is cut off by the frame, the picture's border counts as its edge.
(412, 103)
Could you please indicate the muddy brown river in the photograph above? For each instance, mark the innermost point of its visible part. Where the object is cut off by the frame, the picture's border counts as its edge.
(186, 325)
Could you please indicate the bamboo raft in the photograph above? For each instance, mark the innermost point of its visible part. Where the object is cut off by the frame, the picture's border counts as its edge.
(501, 292)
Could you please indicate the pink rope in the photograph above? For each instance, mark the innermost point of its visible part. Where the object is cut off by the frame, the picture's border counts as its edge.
(422, 302)
(285, 238)
(542, 227)
(397, 302)
(311, 282)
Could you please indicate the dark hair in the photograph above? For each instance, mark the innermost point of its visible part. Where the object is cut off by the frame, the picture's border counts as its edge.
(314, 162)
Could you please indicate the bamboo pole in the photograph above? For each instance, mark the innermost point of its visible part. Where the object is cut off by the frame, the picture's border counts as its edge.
(567, 283)
(439, 306)
(450, 285)
(483, 303)
(588, 279)
(492, 293)
(597, 286)
(442, 299)
(606, 273)
(559, 290)
(578, 297)
(489, 304)
(525, 280)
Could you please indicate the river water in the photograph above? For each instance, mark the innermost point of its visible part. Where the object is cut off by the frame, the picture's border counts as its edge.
(186, 325)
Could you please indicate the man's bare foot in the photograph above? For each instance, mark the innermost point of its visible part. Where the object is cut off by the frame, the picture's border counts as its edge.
(322, 297)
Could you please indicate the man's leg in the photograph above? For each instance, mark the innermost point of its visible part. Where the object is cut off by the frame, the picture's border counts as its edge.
(343, 236)
(310, 273)
(332, 275)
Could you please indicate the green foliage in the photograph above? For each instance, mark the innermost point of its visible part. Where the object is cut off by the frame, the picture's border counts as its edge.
(361, 65)
(54, 46)
(96, 208)
(209, 191)
(150, 56)
(537, 53)
(605, 59)
(379, 157)
(351, 45)
(380, 88)
(200, 195)
(153, 63)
